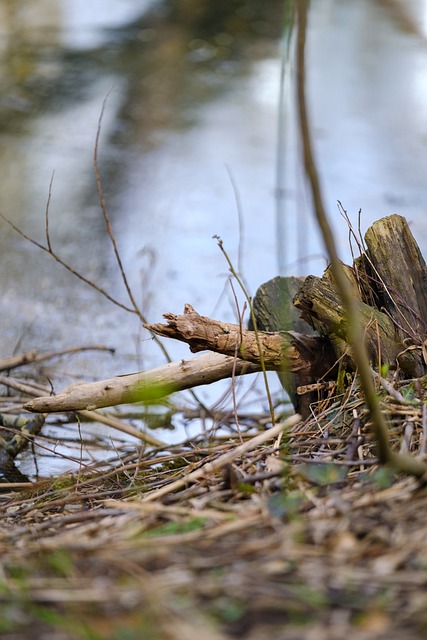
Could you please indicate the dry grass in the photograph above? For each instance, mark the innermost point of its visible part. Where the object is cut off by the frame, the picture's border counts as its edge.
(300, 536)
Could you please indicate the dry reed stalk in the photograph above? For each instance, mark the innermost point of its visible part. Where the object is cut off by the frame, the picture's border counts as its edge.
(212, 467)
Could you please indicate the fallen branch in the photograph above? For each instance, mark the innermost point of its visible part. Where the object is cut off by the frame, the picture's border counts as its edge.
(143, 386)
(288, 350)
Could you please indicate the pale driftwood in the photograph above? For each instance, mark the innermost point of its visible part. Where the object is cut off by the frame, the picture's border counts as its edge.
(139, 387)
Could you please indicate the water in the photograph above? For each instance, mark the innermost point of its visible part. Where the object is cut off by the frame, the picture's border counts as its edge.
(367, 64)
(192, 107)
(175, 91)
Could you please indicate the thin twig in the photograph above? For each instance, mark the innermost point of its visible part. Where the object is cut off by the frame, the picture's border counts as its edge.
(236, 355)
(217, 464)
(46, 215)
(241, 220)
(66, 266)
(254, 324)
(111, 235)
(404, 463)
(32, 357)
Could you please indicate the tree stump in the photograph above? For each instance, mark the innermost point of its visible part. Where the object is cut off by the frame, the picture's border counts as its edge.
(390, 283)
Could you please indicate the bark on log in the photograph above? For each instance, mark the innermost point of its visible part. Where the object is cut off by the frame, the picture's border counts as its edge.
(319, 302)
(274, 311)
(391, 275)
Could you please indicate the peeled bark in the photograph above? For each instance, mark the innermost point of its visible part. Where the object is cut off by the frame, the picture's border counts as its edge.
(299, 353)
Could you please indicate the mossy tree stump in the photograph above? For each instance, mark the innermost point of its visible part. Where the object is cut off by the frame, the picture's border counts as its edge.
(390, 283)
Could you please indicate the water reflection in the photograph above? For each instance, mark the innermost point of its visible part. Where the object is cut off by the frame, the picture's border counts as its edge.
(193, 90)
(192, 86)
(180, 78)
(368, 97)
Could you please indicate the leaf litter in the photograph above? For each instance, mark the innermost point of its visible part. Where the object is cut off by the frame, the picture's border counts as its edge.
(287, 531)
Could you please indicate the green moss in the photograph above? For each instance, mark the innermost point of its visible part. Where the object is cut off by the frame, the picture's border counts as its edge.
(173, 528)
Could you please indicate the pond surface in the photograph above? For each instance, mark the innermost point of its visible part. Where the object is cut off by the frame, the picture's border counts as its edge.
(193, 123)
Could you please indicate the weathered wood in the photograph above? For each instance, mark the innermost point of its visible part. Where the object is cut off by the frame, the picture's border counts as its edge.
(320, 303)
(398, 275)
(392, 276)
(143, 386)
(299, 353)
(239, 355)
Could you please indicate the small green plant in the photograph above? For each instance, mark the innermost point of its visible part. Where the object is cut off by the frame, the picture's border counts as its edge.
(175, 528)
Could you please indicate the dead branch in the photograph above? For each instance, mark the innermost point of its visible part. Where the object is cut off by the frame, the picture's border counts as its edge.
(143, 386)
(280, 350)
(31, 357)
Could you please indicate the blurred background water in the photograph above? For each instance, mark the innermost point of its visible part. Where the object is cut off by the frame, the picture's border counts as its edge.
(193, 105)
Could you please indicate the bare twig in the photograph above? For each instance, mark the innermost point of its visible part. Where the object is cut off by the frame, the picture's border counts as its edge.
(212, 467)
(33, 356)
(107, 218)
(404, 463)
(254, 324)
(112, 237)
(67, 267)
(240, 315)
(240, 218)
